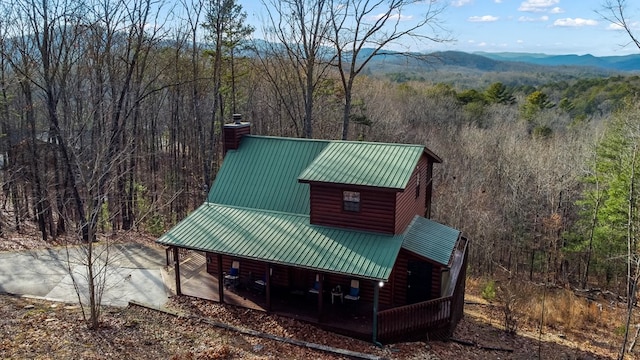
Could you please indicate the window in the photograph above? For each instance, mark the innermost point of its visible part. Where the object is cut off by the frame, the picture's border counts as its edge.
(418, 183)
(351, 201)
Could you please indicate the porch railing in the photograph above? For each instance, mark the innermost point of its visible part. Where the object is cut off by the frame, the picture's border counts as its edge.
(416, 318)
(435, 318)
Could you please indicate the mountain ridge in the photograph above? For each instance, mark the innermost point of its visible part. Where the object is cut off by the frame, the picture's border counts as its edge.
(617, 63)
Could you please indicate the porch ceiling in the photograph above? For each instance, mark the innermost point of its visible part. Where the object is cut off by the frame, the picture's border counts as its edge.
(287, 239)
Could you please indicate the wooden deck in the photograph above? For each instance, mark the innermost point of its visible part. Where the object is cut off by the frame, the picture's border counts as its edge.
(433, 319)
(349, 318)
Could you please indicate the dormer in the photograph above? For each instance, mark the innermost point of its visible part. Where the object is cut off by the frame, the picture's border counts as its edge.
(370, 186)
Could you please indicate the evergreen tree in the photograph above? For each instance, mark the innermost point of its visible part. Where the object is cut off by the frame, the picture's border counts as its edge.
(497, 93)
(610, 202)
(534, 104)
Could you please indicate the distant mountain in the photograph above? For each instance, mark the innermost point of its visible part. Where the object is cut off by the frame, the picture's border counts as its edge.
(466, 70)
(616, 63)
(390, 62)
(492, 63)
(480, 69)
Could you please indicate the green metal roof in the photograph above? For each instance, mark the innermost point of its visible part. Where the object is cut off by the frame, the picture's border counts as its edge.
(362, 163)
(288, 239)
(430, 239)
(263, 174)
(258, 207)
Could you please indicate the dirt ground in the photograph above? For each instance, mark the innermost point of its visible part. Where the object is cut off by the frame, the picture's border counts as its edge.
(37, 329)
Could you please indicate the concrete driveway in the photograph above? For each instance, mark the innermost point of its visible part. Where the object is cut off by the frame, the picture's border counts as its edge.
(132, 272)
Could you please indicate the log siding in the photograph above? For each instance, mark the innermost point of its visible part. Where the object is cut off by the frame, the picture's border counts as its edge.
(407, 204)
(377, 208)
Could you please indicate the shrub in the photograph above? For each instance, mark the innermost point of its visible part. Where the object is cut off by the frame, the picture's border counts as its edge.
(489, 291)
(510, 297)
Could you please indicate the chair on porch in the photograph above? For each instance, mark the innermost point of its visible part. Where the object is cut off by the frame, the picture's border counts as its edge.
(231, 279)
(316, 285)
(354, 291)
(336, 292)
(260, 284)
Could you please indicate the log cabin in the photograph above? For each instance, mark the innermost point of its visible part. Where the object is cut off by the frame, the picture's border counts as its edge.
(340, 227)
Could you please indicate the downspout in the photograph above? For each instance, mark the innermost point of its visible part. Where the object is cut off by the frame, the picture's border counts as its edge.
(376, 295)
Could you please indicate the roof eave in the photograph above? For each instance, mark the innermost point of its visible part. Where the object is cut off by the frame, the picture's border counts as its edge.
(432, 155)
(384, 278)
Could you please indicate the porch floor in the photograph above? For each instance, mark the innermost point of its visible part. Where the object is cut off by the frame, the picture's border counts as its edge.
(352, 318)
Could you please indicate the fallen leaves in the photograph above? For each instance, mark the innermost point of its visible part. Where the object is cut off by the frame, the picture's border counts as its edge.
(31, 328)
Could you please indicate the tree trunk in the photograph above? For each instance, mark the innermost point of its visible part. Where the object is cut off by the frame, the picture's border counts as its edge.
(630, 227)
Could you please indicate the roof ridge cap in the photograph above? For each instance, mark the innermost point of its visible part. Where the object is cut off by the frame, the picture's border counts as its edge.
(333, 141)
(268, 137)
(376, 143)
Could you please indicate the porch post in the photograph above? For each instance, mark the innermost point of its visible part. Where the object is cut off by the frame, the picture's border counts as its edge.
(376, 295)
(176, 264)
(320, 290)
(220, 279)
(267, 285)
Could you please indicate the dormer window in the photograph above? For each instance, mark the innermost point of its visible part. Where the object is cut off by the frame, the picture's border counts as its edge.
(351, 201)
(417, 183)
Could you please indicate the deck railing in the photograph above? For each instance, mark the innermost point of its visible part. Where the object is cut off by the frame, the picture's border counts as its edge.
(435, 318)
(416, 318)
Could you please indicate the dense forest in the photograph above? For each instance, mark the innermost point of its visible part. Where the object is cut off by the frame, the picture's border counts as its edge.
(111, 112)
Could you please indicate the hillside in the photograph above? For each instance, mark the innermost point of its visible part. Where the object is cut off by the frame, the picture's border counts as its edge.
(508, 61)
(36, 328)
(615, 63)
(466, 70)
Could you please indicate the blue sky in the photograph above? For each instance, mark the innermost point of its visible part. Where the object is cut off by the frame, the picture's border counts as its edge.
(533, 26)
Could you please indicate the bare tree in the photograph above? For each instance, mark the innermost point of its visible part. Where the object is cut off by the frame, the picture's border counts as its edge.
(363, 29)
(224, 21)
(300, 29)
(616, 12)
(193, 17)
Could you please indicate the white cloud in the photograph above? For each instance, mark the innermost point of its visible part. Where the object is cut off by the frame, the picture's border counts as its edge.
(394, 17)
(617, 26)
(482, 44)
(520, 41)
(556, 10)
(537, 5)
(530, 19)
(497, 1)
(485, 18)
(577, 22)
(459, 3)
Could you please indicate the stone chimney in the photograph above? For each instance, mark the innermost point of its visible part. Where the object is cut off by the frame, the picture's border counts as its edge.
(233, 132)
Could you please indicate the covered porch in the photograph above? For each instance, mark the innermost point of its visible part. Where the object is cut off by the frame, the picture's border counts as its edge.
(409, 284)
(350, 318)
(288, 294)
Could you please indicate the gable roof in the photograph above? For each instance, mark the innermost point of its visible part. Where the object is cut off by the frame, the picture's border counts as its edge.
(258, 207)
(366, 164)
(263, 174)
(268, 172)
(286, 239)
